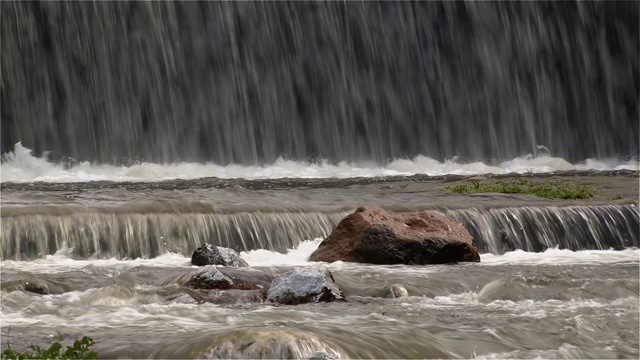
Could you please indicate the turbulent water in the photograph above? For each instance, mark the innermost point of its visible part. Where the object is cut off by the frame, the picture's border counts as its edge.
(555, 304)
(557, 278)
(20, 165)
(134, 132)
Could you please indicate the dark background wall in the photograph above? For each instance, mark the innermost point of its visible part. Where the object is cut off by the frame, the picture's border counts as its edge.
(248, 82)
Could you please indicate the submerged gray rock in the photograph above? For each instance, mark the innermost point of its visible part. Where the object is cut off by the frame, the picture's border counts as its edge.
(182, 298)
(303, 285)
(36, 286)
(395, 291)
(209, 277)
(278, 344)
(216, 255)
(234, 297)
(322, 356)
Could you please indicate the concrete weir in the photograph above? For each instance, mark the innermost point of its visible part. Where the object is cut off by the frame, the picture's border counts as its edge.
(148, 219)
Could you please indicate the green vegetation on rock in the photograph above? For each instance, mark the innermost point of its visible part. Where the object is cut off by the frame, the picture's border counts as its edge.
(548, 191)
(79, 350)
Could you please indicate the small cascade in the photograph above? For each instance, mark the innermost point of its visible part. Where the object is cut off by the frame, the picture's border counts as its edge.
(131, 236)
(104, 235)
(536, 229)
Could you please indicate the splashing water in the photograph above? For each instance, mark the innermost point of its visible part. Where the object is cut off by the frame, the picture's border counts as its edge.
(21, 166)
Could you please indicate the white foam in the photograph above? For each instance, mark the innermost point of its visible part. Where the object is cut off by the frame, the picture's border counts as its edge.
(296, 256)
(565, 351)
(555, 256)
(299, 255)
(60, 262)
(21, 166)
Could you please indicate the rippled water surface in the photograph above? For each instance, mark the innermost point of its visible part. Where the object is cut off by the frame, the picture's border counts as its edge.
(553, 304)
(558, 278)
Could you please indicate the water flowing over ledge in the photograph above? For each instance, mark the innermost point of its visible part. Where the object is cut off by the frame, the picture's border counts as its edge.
(97, 235)
(249, 83)
(536, 229)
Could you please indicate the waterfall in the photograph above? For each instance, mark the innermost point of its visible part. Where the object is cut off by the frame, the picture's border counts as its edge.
(149, 235)
(539, 228)
(104, 235)
(249, 82)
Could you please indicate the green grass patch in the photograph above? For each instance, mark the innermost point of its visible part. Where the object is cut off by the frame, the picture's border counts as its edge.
(79, 350)
(617, 197)
(523, 186)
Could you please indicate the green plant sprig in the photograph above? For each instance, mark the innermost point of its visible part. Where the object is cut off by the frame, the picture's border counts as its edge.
(79, 350)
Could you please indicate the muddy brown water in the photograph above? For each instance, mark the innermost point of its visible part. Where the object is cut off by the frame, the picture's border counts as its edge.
(558, 278)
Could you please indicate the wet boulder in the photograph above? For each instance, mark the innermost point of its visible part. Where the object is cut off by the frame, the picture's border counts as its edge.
(182, 298)
(319, 355)
(234, 297)
(376, 236)
(211, 277)
(395, 291)
(216, 255)
(511, 288)
(36, 286)
(303, 285)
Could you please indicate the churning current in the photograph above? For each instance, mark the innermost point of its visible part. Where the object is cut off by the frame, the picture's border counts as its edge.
(553, 304)
(557, 279)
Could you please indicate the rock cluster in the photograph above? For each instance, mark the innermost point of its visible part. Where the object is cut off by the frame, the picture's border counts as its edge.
(369, 235)
(302, 285)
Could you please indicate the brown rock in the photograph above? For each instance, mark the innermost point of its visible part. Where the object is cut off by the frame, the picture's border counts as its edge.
(374, 235)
